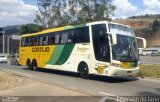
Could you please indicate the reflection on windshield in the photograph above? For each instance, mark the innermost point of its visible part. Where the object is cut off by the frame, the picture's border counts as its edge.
(126, 49)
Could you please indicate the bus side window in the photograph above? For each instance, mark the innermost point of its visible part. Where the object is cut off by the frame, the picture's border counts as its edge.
(41, 40)
(31, 41)
(57, 38)
(70, 37)
(27, 41)
(23, 42)
(81, 35)
(36, 40)
(76, 36)
(84, 34)
(64, 38)
(45, 40)
(51, 39)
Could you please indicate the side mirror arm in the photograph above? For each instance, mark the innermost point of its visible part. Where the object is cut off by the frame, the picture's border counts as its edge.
(144, 41)
(113, 38)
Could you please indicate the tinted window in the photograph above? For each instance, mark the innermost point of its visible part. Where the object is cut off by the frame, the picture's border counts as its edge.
(28, 41)
(23, 42)
(81, 35)
(64, 38)
(57, 38)
(36, 40)
(51, 39)
(43, 40)
(70, 37)
(100, 43)
(78, 35)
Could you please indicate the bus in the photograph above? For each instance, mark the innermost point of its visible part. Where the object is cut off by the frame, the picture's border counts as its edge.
(100, 48)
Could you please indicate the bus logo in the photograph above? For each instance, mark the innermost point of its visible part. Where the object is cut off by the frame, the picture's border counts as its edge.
(40, 49)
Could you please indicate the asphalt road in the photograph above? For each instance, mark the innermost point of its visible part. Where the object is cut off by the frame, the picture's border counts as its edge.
(150, 59)
(95, 85)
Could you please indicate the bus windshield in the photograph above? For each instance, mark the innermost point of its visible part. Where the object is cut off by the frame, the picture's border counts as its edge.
(126, 49)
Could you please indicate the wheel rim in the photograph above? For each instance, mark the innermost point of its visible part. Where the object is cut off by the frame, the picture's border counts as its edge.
(83, 71)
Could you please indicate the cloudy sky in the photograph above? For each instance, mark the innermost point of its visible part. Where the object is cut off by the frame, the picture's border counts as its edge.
(13, 12)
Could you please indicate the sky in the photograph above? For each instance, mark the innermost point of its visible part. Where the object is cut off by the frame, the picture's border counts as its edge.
(16, 12)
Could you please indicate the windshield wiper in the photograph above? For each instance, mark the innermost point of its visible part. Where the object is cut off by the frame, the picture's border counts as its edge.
(130, 54)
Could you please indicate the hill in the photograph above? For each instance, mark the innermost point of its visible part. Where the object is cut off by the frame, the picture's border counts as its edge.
(144, 27)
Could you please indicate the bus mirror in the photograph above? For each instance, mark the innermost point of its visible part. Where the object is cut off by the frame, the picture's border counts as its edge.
(143, 44)
(113, 38)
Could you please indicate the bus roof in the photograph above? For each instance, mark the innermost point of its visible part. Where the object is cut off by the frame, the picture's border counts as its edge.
(54, 30)
(70, 27)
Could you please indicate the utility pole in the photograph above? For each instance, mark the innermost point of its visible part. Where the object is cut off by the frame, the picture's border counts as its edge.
(3, 41)
(8, 37)
(3, 32)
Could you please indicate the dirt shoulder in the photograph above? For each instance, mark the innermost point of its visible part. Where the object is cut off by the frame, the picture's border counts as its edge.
(12, 85)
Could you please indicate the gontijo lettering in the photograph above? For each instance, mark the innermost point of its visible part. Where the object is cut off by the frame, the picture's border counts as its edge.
(40, 49)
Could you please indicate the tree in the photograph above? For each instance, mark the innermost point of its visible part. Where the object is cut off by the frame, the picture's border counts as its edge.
(30, 28)
(64, 12)
(155, 25)
(94, 10)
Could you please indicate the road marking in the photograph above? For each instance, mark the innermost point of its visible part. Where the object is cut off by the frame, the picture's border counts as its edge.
(15, 72)
(108, 94)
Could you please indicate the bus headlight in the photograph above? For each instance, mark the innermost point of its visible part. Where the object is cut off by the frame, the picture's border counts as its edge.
(116, 65)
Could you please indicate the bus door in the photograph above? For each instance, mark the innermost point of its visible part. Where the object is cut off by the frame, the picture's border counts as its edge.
(100, 43)
(103, 47)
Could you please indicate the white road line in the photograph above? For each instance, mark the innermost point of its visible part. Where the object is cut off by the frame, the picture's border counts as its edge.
(19, 73)
(108, 94)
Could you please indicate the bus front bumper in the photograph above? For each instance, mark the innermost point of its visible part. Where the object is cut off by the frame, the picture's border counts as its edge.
(116, 71)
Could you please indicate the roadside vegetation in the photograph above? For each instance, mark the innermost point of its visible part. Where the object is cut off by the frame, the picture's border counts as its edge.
(149, 71)
(150, 33)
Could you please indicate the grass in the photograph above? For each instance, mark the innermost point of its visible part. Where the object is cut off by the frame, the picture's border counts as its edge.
(149, 71)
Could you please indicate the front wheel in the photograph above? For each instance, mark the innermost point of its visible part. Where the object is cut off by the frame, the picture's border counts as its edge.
(83, 71)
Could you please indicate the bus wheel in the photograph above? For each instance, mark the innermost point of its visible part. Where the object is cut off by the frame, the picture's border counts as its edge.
(83, 70)
(34, 65)
(29, 65)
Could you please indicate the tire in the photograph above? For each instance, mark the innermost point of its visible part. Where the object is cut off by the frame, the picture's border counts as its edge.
(83, 71)
(34, 65)
(29, 65)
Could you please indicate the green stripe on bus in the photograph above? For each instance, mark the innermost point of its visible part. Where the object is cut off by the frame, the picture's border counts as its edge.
(56, 54)
(71, 27)
(68, 27)
(133, 64)
(67, 50)
(79, 26)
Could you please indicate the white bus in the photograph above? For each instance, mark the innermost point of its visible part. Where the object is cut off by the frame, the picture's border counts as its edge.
(101, 48)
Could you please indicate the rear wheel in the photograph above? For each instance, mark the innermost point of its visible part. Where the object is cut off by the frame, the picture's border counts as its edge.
(83, 70)
(34, 65)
